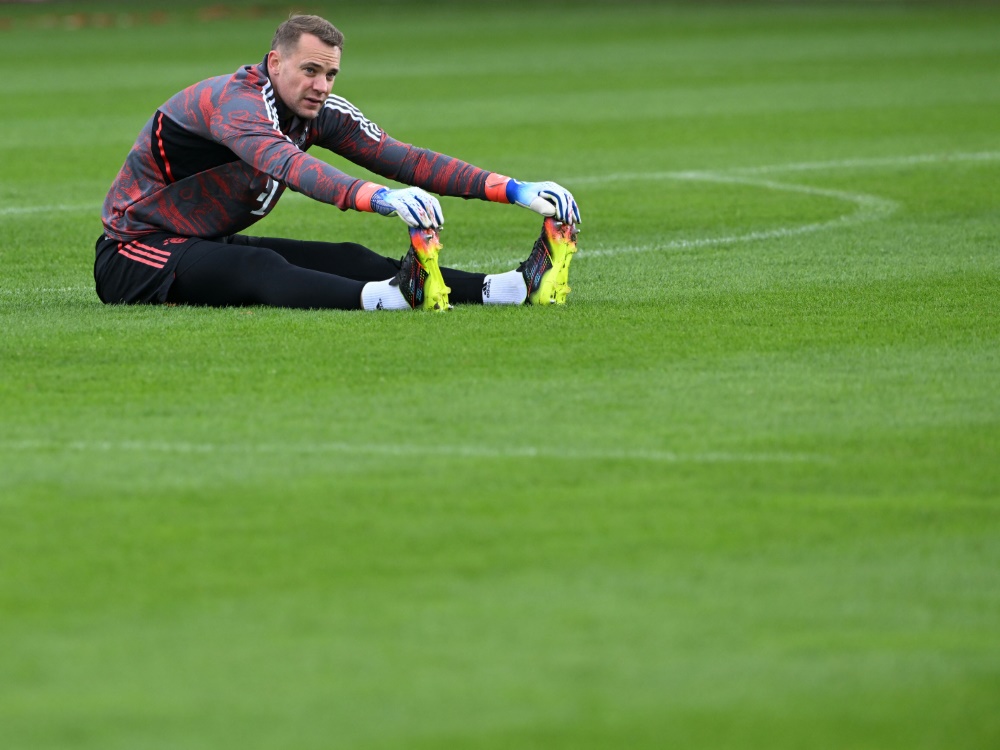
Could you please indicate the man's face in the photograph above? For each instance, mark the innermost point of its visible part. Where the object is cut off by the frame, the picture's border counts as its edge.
(303, 75)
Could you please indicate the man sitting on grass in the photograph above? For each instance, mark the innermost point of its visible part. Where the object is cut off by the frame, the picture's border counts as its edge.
(216, 157)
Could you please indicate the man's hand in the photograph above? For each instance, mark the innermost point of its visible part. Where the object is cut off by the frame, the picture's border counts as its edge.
(416, 207)
(546, 198)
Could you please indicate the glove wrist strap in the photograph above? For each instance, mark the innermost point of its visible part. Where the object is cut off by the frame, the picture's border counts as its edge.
(497, 187)
(364, 198)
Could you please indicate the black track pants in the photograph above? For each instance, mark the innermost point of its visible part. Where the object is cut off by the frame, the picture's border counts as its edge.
(292, 273)
(243, 270)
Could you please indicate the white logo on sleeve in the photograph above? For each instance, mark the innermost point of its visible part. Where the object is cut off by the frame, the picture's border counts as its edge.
(337, 104)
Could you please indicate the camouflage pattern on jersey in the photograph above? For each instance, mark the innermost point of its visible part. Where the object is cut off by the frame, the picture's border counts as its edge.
(217, 156)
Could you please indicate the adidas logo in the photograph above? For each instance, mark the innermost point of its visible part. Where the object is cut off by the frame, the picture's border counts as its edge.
(486, 289)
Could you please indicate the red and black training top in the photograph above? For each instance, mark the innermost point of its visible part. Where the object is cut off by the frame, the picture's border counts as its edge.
(216, 157)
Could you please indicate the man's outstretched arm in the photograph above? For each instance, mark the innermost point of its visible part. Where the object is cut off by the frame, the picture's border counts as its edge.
(348, 133)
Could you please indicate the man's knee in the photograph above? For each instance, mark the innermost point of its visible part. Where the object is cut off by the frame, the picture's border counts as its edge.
(255, 272)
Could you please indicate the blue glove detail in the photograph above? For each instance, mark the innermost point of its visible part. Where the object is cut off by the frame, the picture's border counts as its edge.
(546, 198)
(416, 207)
(379, 205)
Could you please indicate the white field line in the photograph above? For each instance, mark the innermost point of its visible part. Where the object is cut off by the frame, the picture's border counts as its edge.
(49, 209)
(403, 450)
(867, 207)
(805, 166)
(46, 290)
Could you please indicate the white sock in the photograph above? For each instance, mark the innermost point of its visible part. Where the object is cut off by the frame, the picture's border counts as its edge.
(504, 289)
(381, 295)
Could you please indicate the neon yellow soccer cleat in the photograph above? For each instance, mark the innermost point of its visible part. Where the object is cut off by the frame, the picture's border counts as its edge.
(546, 271)
(419, 277)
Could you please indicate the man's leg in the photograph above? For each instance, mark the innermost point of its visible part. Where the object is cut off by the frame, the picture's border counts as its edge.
(243, 270)
(223, 274)
(354, 261)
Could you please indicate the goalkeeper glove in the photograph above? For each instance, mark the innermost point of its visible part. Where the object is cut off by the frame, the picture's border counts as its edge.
(416, 207)
(546, 198)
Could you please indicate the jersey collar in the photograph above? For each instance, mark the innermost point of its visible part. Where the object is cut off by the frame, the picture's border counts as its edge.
(285, 115)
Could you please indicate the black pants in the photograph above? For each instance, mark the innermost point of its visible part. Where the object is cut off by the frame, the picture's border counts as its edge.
(244, 270)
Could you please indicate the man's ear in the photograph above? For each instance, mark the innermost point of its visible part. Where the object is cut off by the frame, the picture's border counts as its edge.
(273, 60)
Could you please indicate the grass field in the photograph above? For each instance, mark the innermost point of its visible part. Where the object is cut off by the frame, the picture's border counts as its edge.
(741, 492)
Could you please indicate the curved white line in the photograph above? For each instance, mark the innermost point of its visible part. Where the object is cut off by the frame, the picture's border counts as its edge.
(805, 166)
(867, 207)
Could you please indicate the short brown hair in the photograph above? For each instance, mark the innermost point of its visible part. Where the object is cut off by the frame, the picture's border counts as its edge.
(287, 35)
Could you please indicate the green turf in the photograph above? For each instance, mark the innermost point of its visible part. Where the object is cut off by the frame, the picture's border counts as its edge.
(741, 492)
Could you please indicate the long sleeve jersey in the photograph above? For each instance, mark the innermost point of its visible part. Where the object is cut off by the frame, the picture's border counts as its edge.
(217, 156)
